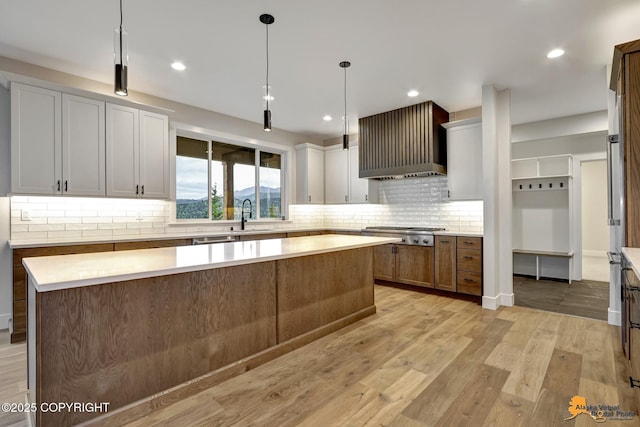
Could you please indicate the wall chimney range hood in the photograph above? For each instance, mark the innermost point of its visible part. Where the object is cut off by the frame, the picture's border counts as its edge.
(407, 142)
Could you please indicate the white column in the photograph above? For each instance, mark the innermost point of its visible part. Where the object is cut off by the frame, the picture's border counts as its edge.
(496, 162)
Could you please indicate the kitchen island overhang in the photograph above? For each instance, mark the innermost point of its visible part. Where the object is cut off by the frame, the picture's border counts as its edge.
(139, 328)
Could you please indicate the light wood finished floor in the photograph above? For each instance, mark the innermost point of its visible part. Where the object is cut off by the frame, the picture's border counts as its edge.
(422, 360)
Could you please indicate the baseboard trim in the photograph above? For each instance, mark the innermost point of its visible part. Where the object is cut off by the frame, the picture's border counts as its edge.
(614, 317)
(492, 303)
(507, 299)
(4, 320)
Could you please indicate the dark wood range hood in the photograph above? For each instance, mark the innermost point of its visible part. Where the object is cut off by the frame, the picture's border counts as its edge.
(406, 142)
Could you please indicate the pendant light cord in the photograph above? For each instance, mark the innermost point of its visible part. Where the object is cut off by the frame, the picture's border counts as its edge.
(121, 63)
(267, 88)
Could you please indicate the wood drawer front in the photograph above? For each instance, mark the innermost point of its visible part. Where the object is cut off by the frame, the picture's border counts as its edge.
(469, 242)
(470, 260)
(470, 283)
(263, 236)
(19, 315)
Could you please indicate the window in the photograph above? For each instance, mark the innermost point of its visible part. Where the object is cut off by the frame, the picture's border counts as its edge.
(213, 179)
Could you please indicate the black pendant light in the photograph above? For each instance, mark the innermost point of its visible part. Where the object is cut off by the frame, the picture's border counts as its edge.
(345, 136)
(267, 20)
(121, 58)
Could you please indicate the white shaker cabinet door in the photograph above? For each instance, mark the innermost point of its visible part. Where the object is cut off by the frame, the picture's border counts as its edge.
(154, 155)
(361, 190)
(123, 151)
(464, 161)
(336, 175)
(36, 140)
(83, 146)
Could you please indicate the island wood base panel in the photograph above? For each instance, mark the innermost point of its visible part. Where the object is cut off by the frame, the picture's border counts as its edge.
(123, 342)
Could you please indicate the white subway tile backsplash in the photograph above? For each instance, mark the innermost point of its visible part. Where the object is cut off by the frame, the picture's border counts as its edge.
(406, 202)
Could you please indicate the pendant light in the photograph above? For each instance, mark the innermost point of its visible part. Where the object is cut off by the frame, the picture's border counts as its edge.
(345, 136)
(267, 20)
(121, 58)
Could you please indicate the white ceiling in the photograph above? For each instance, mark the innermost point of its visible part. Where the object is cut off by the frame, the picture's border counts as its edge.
(445, 49)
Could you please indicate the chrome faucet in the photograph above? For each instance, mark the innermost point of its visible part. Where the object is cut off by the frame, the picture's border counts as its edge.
(242, 220)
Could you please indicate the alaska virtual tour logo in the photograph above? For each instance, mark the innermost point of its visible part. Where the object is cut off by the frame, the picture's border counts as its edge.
(599, 413)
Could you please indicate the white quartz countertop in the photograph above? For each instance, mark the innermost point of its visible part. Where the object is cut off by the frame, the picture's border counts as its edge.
(57, 272)
(633, 255)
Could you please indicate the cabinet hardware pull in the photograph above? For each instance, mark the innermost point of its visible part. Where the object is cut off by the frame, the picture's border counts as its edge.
(58, 185)
(468, 280)
(445, 241)
(634, 325)
(466, 242)
(634, 383)
(137, 189)
(66, 186)
(468, 257)
(143, 190)
(346, 198)
(309, 198)
(633, 289)
(366, 197)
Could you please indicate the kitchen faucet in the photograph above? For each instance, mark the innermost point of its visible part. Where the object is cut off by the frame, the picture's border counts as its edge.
(242, 220)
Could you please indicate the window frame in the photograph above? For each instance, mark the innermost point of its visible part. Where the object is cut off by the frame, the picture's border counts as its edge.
(209, 136)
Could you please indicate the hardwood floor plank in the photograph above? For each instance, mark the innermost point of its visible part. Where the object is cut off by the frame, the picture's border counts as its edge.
(508, 410)
(473, 405)
(526, 378)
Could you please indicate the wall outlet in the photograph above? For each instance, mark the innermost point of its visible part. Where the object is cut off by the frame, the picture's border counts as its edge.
(25, 215)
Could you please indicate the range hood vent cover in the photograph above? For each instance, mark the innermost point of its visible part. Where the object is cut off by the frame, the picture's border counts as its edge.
(407, 142)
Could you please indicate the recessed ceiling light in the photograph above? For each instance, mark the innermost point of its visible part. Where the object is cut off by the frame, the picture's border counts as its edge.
(327, 118)
(555, 53)
(413, 93)
(178, 66)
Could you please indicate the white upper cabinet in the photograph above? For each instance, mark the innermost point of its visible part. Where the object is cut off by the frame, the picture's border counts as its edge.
(57, 143)
(137, 153)
(464, 159)
(342, 181)
(361, 190)
(123, 163)
(154, 155)
(83, 155)
(36, 140)
(309, 174)
(336, 175)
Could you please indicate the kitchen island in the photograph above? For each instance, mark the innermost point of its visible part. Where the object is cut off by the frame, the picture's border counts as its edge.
(139, 328)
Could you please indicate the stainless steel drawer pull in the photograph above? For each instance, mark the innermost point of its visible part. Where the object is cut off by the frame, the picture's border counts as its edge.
(468, 257)
(468, 243)
(468, 280)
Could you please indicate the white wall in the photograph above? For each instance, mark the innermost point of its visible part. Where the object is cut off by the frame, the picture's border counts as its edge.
(6, 267)
(572, 144)
(595, 232)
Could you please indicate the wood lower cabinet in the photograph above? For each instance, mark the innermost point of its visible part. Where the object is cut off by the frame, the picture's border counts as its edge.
(469, 265)
(453, 264)
(384, 262)
(125, 246)
(446, 263)
(414, 265)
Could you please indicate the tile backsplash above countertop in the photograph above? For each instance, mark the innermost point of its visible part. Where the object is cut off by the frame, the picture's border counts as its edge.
(406, 202)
